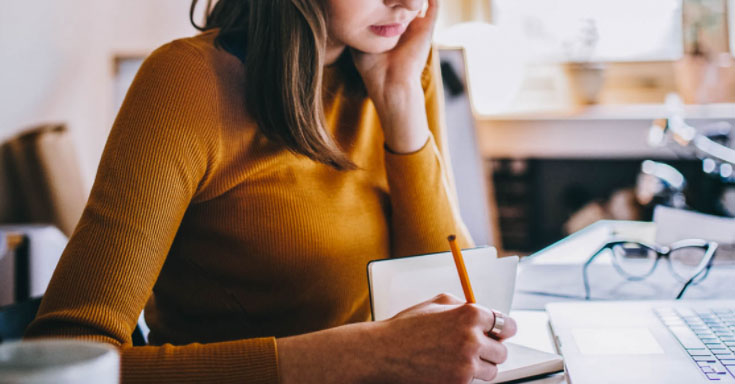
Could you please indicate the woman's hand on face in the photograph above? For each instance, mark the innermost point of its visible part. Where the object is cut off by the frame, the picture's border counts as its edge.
(393, 82)
(443, 340)
(401, 66)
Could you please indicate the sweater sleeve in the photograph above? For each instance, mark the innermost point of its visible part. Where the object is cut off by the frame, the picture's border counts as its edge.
(159, 153)
(422, 192)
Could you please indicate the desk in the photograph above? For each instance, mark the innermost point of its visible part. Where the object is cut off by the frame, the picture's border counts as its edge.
(533, 332)
(555, 274)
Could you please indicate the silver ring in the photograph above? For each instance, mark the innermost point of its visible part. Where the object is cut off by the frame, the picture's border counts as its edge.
(498, 323)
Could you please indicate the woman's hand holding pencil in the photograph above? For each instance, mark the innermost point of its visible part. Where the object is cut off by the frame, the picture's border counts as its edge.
(443, 340)
(451, 340)
(499, 319)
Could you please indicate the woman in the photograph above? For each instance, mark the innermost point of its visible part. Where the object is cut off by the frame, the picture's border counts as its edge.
(250, 175)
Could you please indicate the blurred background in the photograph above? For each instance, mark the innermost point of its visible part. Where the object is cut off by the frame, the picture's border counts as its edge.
(563, 101)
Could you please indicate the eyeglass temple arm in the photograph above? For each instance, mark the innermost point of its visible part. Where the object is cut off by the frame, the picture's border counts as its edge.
(589, 261)
(711, 250)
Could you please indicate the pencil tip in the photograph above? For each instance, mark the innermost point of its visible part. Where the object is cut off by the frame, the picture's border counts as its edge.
(451, 237)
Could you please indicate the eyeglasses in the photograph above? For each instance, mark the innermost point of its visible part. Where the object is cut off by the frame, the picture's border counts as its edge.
(689, 260)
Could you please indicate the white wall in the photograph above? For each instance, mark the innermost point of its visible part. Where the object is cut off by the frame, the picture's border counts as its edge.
(56, 62)
(731, 25)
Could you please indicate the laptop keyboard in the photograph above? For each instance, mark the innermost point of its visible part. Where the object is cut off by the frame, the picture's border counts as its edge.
(707, 335)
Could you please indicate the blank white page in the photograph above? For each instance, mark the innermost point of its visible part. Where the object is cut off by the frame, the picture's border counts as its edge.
(396, 284)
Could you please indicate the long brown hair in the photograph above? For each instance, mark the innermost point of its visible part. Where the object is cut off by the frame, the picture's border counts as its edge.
(283, 44)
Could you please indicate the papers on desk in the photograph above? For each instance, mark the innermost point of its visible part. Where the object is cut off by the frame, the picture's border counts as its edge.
(396, 284)
(579, 246)
(677, 224)
(555, 273)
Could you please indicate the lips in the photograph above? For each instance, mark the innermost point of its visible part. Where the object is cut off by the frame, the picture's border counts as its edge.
(389, 30)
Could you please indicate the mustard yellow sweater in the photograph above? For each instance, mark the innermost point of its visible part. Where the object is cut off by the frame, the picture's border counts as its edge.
(228, 239)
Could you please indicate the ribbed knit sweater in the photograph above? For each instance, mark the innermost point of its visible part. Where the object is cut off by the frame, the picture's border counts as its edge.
(228, 239)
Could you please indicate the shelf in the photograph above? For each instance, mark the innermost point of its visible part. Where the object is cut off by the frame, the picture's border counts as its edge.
(617, 112)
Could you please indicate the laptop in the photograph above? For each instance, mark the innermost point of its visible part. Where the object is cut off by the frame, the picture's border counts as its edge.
(646, 341)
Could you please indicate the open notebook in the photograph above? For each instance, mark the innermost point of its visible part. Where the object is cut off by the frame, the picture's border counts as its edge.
(396, 284)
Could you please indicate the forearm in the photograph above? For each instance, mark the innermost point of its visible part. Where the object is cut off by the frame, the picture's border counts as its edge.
(336, 355)
(438, 341)
(424, 212)
(239, 361)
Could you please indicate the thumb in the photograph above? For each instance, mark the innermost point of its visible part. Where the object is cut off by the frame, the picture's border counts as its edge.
(425, 24)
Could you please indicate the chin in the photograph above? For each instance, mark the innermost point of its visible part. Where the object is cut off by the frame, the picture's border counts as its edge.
(376, 45)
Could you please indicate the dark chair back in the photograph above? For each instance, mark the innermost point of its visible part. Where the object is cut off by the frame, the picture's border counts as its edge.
(15, 318)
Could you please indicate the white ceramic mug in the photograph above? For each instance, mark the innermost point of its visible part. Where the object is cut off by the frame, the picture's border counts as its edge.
(58, 361)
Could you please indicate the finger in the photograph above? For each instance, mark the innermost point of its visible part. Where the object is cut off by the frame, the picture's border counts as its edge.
(486, 371)
(493, 351)
(436, 304)
(432, 10)
(507, 326)
(479, 316)
(424, 8)
(511, 328)
(423, 24)
(447, 299)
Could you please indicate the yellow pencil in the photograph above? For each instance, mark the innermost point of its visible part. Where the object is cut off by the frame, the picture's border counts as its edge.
(463, 278)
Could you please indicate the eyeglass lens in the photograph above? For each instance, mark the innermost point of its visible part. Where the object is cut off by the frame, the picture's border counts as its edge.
(686, 262)
(634, 259)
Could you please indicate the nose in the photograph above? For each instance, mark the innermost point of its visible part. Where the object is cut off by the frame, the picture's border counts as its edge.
(411, 5)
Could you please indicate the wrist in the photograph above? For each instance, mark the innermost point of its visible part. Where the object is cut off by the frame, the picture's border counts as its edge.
(402, 113)
(394, 97)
